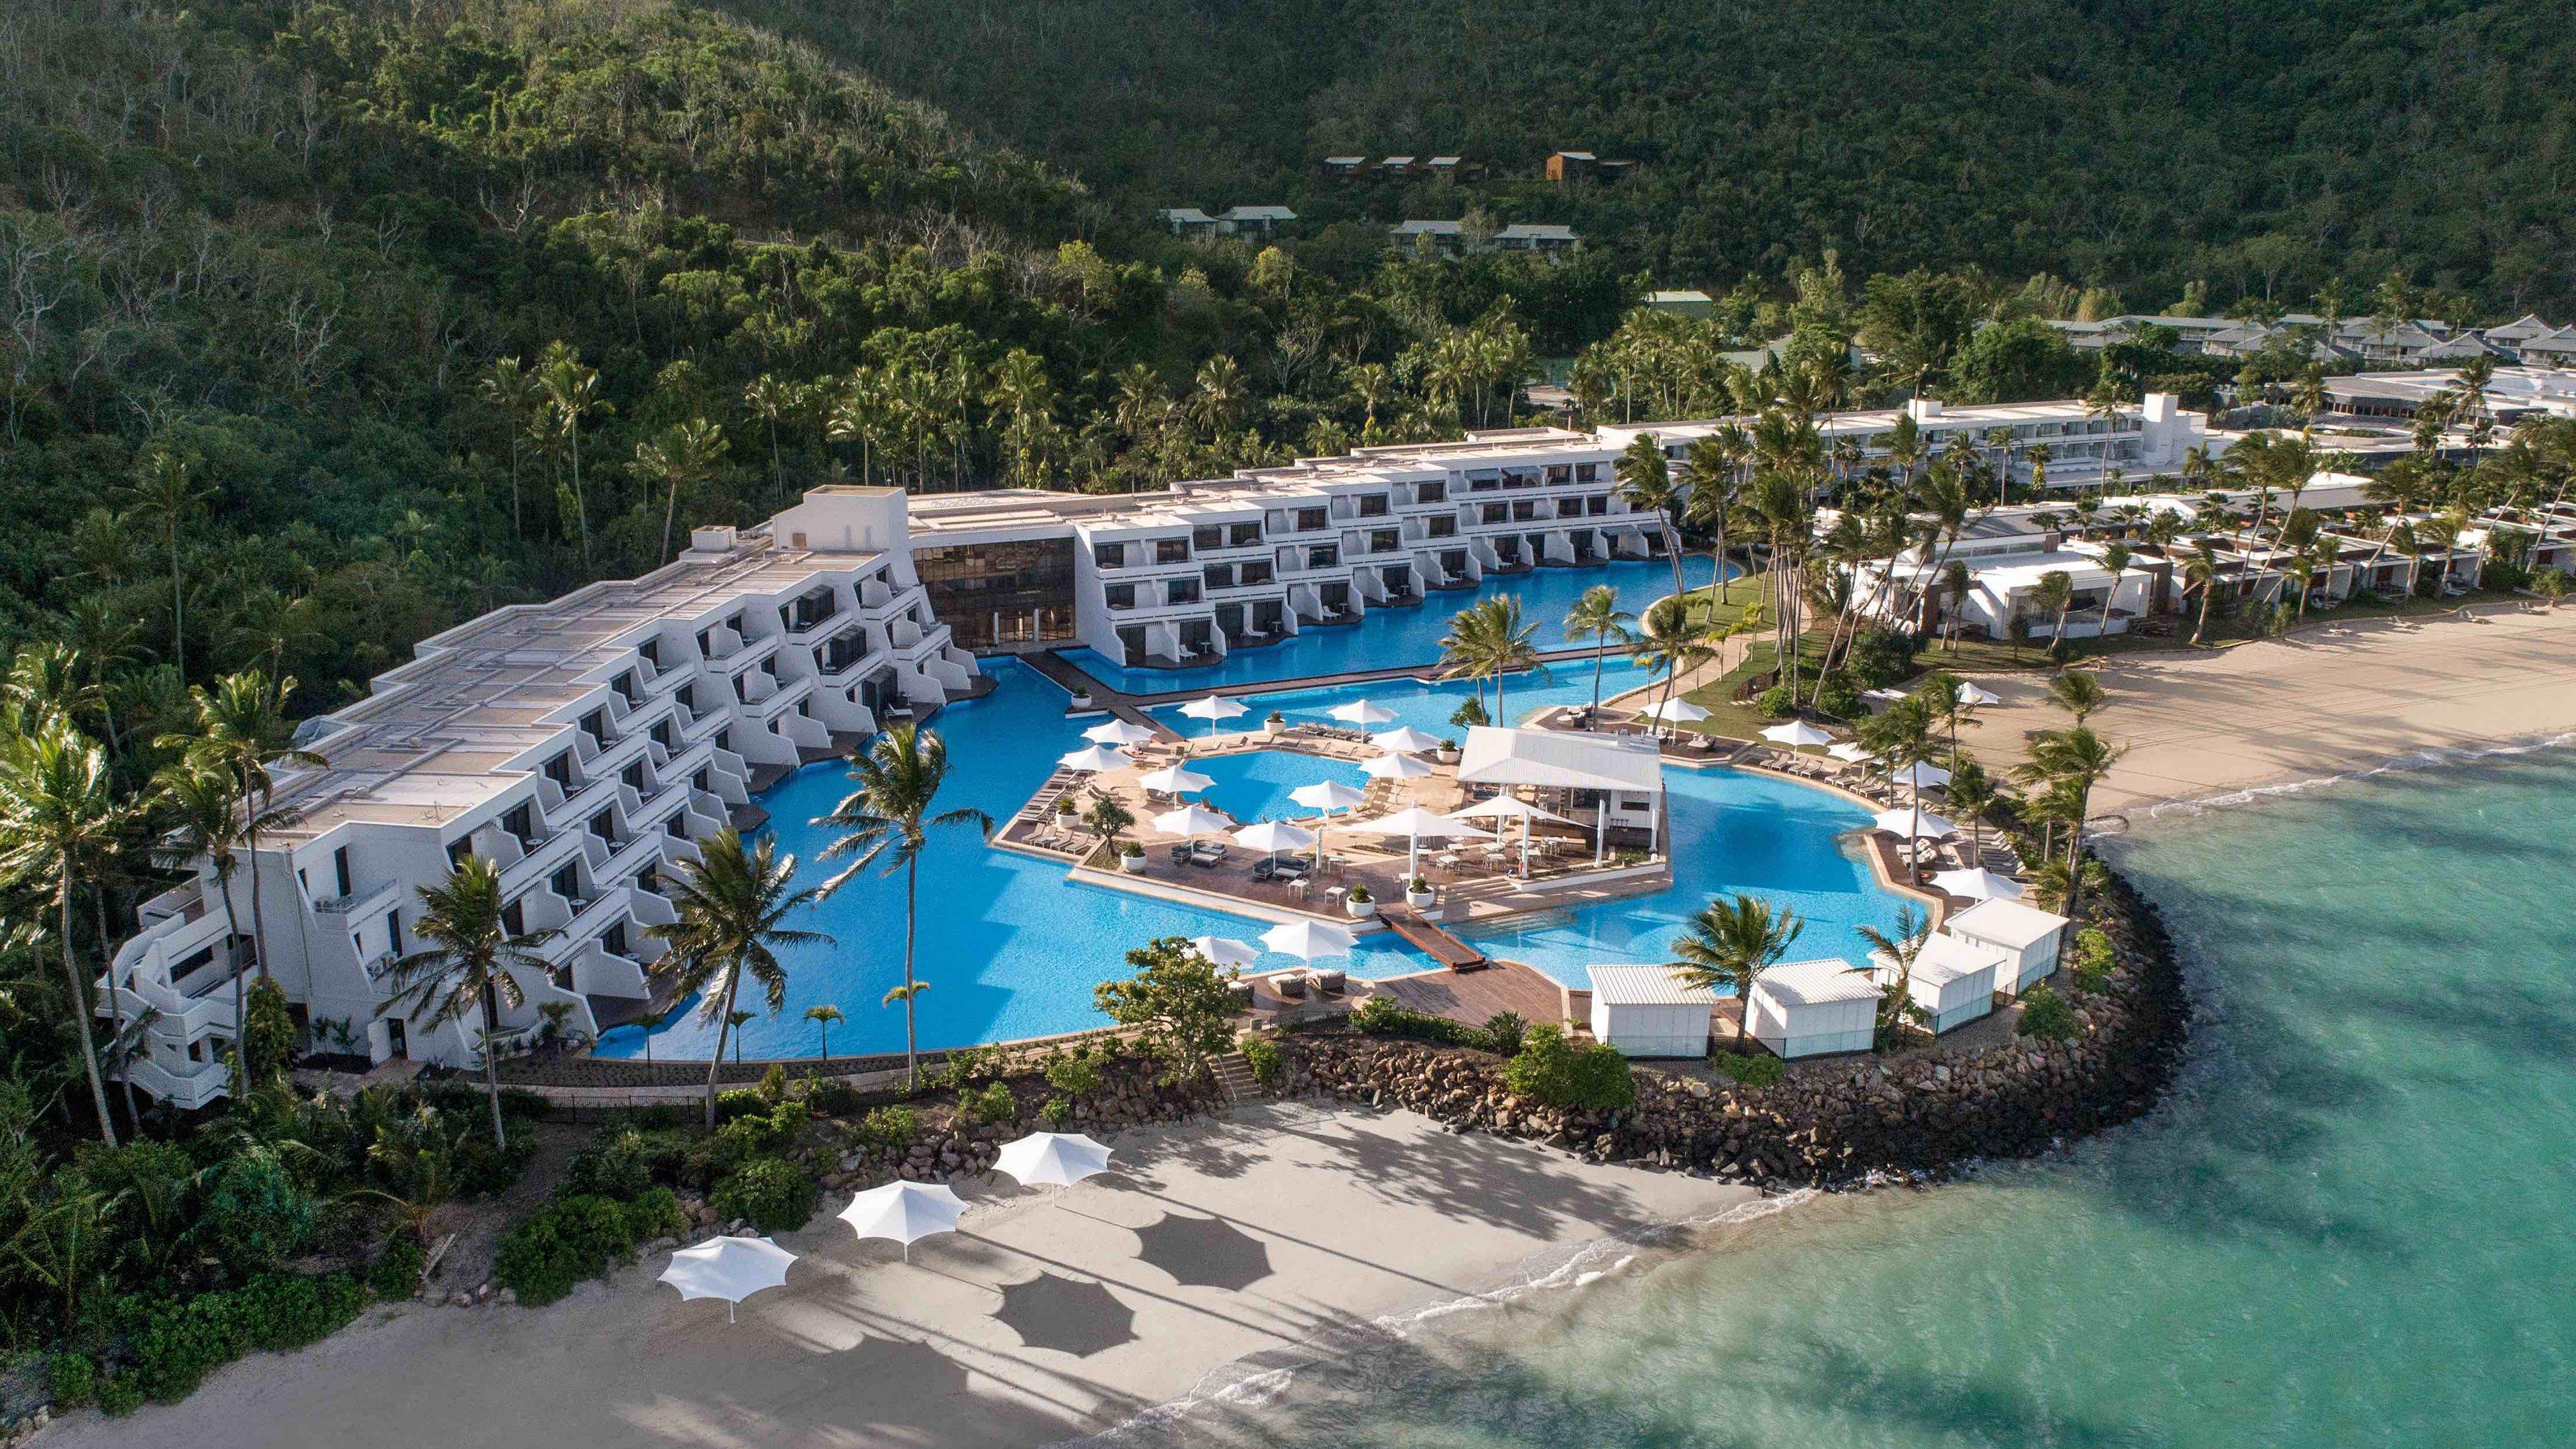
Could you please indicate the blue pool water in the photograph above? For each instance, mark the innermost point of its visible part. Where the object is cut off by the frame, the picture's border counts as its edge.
(1427, 707)
(1408, 635)
(1254, 785)
(1011, 949)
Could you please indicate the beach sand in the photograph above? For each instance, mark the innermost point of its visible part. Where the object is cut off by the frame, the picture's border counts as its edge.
(2311, 706)
(1214, 1251)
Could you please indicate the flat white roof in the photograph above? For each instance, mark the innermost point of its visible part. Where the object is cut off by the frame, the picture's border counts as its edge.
(1945, 959)
(2007, 923)
(1634, 985)
(1560, 759)
(1820, 982)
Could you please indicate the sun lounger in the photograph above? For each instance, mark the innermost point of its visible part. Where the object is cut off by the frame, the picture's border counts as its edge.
(1291, 985)
(1206, 852)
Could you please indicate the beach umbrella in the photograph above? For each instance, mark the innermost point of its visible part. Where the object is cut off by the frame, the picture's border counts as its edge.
(1795, 733)
(1308, 939)
(1117, 732)
(1980, 885)
(1225, 950)
(1274, 836)
(907, 1212)
(1914, 825)
(1395, 767)
(732, 1269)
(1055, 1159)
(1506, 807)
(1325, 797)
(1092, 759)
(1970, 694)
(1175, 780)
(1193, 820)
(1405, 740)
(1361, 712)
(1849, 752)
(1920, 776)
(1884, 696)
(1675, 711)
(1415, 823)
(1214, 708)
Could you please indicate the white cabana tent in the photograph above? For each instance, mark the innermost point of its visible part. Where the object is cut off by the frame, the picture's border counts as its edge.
(1225, 950)
(1414, 823)
(1056, 1159)
(1644, 1012)
(1977, 885)
(1405, 740)
(1675, 711)
(1214, 708)
(1850, 752)
(1952, 980)
(1969, 694)
(1810, 1008)
(1175, 780)
(732, 1269)
(1361, 712)
(1324, 797)
(1117, 732)
(1913, 825)
(1092, 759)
(1625, 774)
(1795, 733)
(906, 1212)
(1275, 836)
(1191, 820)
(2030, 936)
(1395, 767)
(1920, 776)
(1307, 939)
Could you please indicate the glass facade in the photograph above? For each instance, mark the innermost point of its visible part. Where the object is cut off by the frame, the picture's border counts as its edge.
(997, 595)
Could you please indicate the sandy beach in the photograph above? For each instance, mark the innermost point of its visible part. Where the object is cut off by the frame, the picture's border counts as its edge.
(1216, 1250)
(2314, 705)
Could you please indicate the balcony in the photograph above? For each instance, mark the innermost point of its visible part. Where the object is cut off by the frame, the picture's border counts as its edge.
(363, 897)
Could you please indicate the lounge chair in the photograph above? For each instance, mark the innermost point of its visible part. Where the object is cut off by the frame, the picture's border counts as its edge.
(1206, 852)
(1181, 854)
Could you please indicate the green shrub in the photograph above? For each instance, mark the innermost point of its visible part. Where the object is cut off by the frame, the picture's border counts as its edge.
(1840, 697)
(740, 1102)
(1380, 1016)
(1878, 656)
(764, 1132)
(73, 1380)
(1505, 1031)
(832, 1097)
(1775, 703)
(770, 1193)
(1555, 1071)
(613, 1165)
(1753, 1069)
(1076, 1076)
(569, 1240)
(655, 1213)
(1267, 1064)
(989, 1104)
(773, 1084)
(2091, 965)
(290, 1310)
(890, 1129)
(256, 1214)
(395, 1275)
(120, 1395)
(177, 1343)
(1056, 1112)
(2045, 1014)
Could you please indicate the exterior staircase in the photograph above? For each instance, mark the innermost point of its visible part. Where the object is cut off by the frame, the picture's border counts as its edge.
(1234, 1078)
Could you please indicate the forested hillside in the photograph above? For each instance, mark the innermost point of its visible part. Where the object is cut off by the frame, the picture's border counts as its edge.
(2258, 145)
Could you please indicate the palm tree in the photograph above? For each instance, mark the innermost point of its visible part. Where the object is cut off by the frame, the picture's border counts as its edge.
(1899, 736)
(1713, 472)
(2078, 692)
(1671, 641)
(825, 1017)
(163, 492)
(1490, 639)
(202, 820)
(682, 455)
(1896, 1003)
(1731, 943)
(471, 965)
(58, 818)
(1597, 617)
(731, 904)
(1971, 793)
(773, 401)
(888, 819)
(2075, 759)
(513, 391)
(572, 390)
(103, 639)
(2115, 557)
(2200, 571)
(2054, 595)
(1646, 480)
(242, 733)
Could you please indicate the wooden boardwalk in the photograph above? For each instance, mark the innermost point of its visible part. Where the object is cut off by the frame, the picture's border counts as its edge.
(1430, 940)
(1475, 998)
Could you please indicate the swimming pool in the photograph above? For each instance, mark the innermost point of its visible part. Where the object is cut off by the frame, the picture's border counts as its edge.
(1012, 949)
(1254, 784)
(1405, 635)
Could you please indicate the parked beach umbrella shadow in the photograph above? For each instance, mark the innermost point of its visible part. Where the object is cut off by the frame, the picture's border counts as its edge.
(732, 1269)
(1204, 1252)
(1066, 1314)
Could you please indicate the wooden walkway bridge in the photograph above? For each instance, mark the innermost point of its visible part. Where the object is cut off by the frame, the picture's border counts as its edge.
(1432, 941)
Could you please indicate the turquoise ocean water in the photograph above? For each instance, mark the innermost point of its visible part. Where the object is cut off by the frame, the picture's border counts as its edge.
(2353, 1225)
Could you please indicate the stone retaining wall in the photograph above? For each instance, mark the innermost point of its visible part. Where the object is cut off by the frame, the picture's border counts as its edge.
(1923, 1111)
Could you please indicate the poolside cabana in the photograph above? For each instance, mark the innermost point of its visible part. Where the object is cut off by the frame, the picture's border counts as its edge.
(2029, 936)
(1952, 980)
(1644, 1012)
(1619, 778)
(1813, 1008)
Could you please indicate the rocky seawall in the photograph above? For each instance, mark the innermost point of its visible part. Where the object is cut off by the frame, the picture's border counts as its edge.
(1831, 1123)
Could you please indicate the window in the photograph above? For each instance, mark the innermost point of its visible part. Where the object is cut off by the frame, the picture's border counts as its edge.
(633, 775)
(1121, 596)
(595, 725)
(625, 686)
(1218, 576)
(1109, 555)
(1436, 491)
(559, 770)
(521, 822)
(1323, 556)
(1210, 537)
(1597, 505)
(514, 919)
(1242, 535)
(601, 826)
(1372, 505)
(1257, 571)
(650, 651)
(1181, 591)
(1443, 525)
(566, 883)
(1310, 519)
(1492, 513)
(340, 867)
(1559, 473)
(1385, 540)
(1587, 472)
(1171, 550)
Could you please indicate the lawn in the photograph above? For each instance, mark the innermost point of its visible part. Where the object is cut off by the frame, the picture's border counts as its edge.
(1992, 655)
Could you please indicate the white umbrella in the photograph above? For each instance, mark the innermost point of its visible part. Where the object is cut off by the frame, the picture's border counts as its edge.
(1981, 885)
(1405, 741)
(1326, 795)
(1413, 822)
(1884, 696)
(1059, 1159)
(1970, 694)
(1795, 733)
(1274, 836)
(1307, 939)
(1395, 767)
(1225, 950)
(1117, 732)
(1849, 752)
(1361, 712)
(1676, 711)
(1506, 807)
(1914, 825)
(1093, 759)
(1175, 780)
(732, 1269)
(904, 1211)
(1212, 709)
(1920, 776)
(1191, 819)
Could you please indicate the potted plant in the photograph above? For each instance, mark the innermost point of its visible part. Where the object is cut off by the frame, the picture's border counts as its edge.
(1275, 725)
(1360, 903)
(1131, 857)
(1418, 894)
(1447, 753)
(1081, 699)
(1066, 812)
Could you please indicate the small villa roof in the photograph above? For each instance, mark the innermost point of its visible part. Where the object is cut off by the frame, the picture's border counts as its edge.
(1535, 231)
(1820, 982)
(1646, 986)
(1419, 226)
(1686, 295)
(1344, 160)
(1189, 214)
(1556, 758)
(1945, 959)
(2006, 923)
(1257, 213)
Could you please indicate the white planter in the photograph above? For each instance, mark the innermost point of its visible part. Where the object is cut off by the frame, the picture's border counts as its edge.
(1446, 757)
(1360, 910)
(1420, 901)
(1132, 864)
(1082, 699)
(1274, 728)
